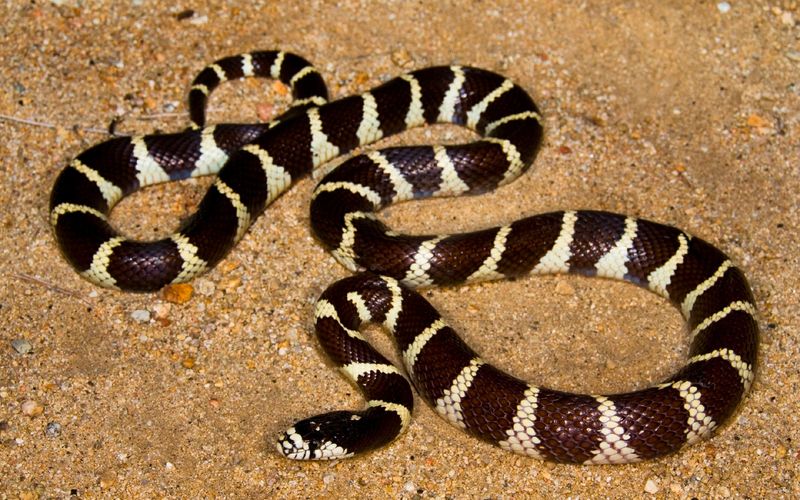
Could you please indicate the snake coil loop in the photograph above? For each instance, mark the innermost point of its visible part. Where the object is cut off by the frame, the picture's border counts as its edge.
(255, 163)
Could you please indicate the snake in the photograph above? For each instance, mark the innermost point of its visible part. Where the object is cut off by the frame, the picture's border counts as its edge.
(254, 163)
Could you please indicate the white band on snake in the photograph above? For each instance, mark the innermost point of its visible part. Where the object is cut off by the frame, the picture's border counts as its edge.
(255, 163)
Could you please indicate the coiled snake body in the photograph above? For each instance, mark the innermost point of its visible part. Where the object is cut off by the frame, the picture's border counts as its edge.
(255, 163)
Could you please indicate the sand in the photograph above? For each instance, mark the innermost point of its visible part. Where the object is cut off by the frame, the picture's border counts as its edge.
(680, 112)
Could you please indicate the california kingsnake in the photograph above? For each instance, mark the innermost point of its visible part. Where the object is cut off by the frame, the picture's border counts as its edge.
(262, 160)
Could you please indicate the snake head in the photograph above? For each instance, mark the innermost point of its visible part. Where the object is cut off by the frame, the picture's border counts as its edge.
(338, 434)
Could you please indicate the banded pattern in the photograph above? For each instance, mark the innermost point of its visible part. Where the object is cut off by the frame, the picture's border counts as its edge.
(713, 296)
(255, 163)
(88, 188)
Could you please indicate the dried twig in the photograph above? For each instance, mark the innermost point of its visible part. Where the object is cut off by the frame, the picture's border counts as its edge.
(94, 130)
(51, 287)
(37, 123)
(159, 116)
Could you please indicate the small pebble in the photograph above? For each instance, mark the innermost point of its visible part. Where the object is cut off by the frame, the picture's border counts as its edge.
(198, 20)
(724, 7)
(161, 311)
(361, 78)
(205, 287)
(564, 288)
(184, 14)
(328, 478)
(52, 430)
(759, 124)
(264, 111)
(149, 103)
(108, 479)
(22, 346)
(178, 293)
(280, 88)
(62, 135)
(410, 487)
(230, 284)
(32, 408)
(402, 58)
(651, 487)
(141, 315)
(169, 466)
(756, 121)
(228, 266)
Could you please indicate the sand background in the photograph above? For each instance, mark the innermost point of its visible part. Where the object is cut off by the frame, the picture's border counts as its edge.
(680, 112)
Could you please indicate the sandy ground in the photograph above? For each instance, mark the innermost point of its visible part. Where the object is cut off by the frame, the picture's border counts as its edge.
(681, 112)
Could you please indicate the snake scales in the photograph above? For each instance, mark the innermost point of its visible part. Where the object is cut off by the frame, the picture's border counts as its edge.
(255, 163)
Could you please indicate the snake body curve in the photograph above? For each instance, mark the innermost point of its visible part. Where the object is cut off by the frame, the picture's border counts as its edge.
(255, 163)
